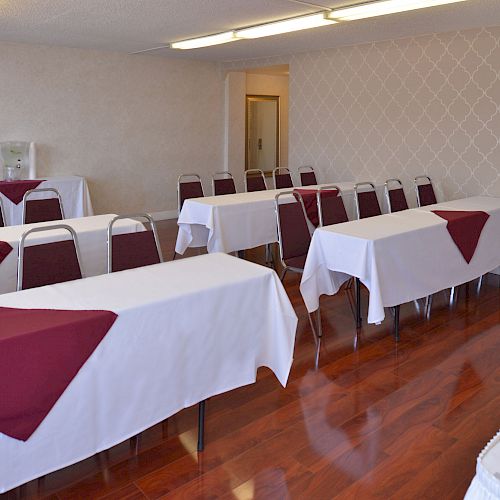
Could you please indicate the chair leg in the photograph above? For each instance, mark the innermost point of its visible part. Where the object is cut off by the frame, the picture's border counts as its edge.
(201, 425)
(428, 306)
(175, 255)
(282, 277)
(479, 284)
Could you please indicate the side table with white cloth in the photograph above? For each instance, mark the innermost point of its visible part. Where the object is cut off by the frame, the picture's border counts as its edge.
(74, 193)
(185, 330)
(486, 482)
(92, 239)
(399, 257)
(240, 221)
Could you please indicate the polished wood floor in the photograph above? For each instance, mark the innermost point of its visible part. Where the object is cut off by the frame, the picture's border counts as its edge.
(377, 420)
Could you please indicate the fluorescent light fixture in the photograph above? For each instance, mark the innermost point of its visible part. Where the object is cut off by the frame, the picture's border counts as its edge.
(205, 41)
(383, 7)
(285, 26)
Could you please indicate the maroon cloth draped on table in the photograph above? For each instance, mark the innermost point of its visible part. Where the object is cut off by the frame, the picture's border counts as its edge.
(15, 190)
(41, 351)
(5, 249)
(465, 228)
(133, 250)
(310, 204)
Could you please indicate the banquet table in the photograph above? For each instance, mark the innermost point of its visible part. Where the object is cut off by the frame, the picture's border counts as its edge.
(234, 222)
(184, 331)
(399, 257)
(92, 239)
(73, 189)
(486, 482)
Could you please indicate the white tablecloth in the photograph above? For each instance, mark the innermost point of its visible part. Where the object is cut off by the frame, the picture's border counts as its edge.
(486, 482)
(74, 193)
(240, 221)
(399, 257)
(186, 330)
(92, 239)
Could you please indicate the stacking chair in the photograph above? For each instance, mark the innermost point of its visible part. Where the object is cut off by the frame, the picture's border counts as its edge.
(188, 186)
(396, 199)
(331, 209)
(255, 180)
(223, 183)
(307, 176)
(2, 216)
(294, 239)
(45, 210)
(48, 263)
(366, 201)
(424, 191)
(131, 250)
(282, 178)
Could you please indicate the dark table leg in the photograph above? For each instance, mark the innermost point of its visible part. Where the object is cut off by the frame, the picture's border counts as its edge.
(358, 303)
(201, 425)
(396, 323)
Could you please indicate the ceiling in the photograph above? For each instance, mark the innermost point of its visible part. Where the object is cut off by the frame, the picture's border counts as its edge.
(134, 25)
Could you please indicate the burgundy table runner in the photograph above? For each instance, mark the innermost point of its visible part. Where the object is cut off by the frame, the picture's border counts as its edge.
(5, 249)
(309, 199)
(41, 351)
(15, 190)
(465, 228)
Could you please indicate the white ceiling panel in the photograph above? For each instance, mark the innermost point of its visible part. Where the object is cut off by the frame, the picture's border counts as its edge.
(134, 25)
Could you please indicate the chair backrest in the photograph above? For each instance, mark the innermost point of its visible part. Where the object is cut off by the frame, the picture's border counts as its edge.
(366, 201)
(48, 263)
(188, 186)
(282, 178)
(396, 199)
(294, 236)
(425, 192)
(2, 216)
(255, 180)
(45, 210)
(331, 208)
(223, 183)
(307, 176)
(131, 250)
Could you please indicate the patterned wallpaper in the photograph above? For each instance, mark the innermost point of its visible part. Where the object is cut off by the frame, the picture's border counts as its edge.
(400, 108)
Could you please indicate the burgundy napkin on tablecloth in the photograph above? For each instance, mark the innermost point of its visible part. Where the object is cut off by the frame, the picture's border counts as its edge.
(5, 249)
(309, 199)
(465, 228)
(15, 190)
(41, 351)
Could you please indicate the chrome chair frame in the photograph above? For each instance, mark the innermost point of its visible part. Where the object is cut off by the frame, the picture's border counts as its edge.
(386, 192)
(2, 213)
(214, 178)
(356, 201)
(416, 186)
(22, 241)
(109, 241)
(306, 169)
(254, 170)
(42, 190)
(318, 199)
(178, 188)
(277, 170)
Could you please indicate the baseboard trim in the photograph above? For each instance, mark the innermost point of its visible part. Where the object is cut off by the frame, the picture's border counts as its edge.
(165, 215)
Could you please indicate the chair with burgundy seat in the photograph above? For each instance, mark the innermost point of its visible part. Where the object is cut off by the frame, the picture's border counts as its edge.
(131, 250)
(48, 263)
(331, 209)
(188, 186)
(42, 210)
(282, 178)
(2, 216)
(223, 183)
(424, 191)
(255, 180)
(396, 199)
(294, 239)
(307, 176)
(367, 204)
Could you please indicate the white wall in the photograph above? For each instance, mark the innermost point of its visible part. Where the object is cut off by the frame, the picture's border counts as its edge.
(130, 124)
